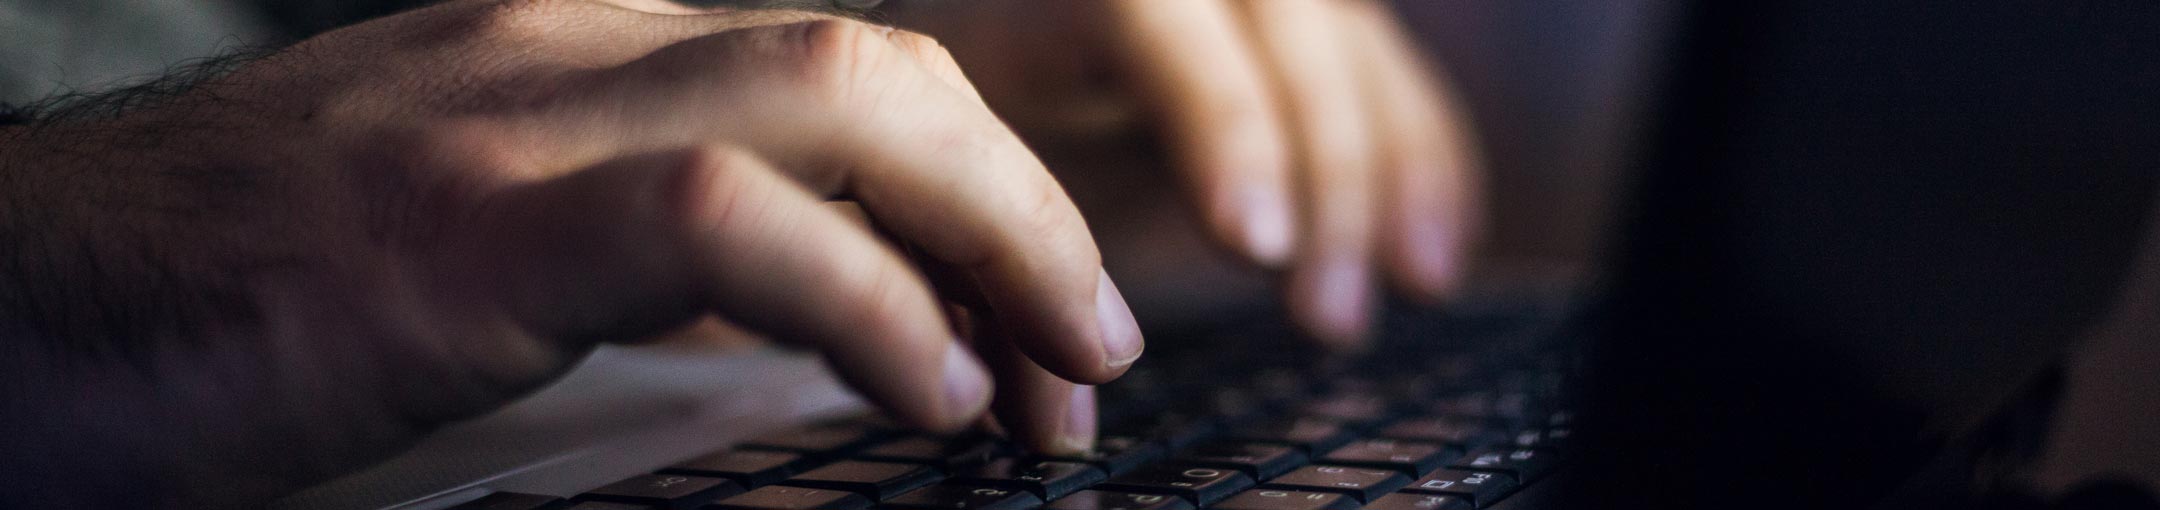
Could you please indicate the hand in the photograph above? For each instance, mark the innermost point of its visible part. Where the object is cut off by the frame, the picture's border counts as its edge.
(1311, 135)
(298, 267)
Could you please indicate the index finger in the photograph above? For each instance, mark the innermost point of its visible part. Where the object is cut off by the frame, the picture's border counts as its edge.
(849, 112)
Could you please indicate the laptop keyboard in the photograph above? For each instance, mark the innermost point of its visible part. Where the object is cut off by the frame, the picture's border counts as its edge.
(1404, 427)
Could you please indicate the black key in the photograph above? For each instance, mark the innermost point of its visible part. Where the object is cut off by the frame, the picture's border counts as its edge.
(946, 454)
(1311, 434)
(1355, 408)
(1461, 432)
(1047, 479)
(1111, 500)
(946, 496)
(780, 497)
(510, 501)
(1408, 457)
(670, 491)
(1271, 499)
(1525, 464)
(827, 441)
(1556, 438)
(609, 505)
(1363, 483)
(1202, 486)
(1174, 430)
(1481, 488)
(1117, 455)
(751, 468)
(1261, 461)
(877, 480)
(1410, 501)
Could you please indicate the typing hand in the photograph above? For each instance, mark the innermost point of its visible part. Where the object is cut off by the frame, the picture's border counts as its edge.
(303, 265)
(1310, 134)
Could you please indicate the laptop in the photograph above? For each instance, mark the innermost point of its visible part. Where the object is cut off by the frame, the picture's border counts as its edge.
(1861, 237)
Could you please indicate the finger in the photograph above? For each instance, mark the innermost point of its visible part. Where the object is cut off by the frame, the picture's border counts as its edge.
(1330, 287)
(1428, 157)
(851, 115)
(1039, 411)
(642, 244)
(1190, 64)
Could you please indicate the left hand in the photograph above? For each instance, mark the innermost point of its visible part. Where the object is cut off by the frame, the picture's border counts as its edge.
(1311, 135)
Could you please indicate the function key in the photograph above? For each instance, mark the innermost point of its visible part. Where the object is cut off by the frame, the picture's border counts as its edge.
(1525, 464)
(947, 496)
(669, 491)
(946, 454)
(1463, 432)
(877, 480)
(1175, 430)
(1047, 479)
(1272, 499)
(510, 501)
(1261, 461)
(1311, 434)
(820, 440)
(1481, 488)
(751, 468)
(1363, 483)
(1117, 455)
(1409, 457)
(1202, 486)
(1112, 500)
(1409, 501)
(780, 497)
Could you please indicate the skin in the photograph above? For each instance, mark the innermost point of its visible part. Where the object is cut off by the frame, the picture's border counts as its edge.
(303, 266)
(1310, 136)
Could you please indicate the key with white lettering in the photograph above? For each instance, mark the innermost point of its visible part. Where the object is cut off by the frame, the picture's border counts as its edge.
(949, 496)
(1481, 488)
(1113, 500)
(1276, 499)
(1363, 483)
(670, 491)
(1412, 501)
(1202, 486)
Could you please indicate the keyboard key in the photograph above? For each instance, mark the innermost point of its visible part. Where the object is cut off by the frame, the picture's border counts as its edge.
(1481, 488)
(1271, 499)
(1046, 479)
(1261, 461)
(827, 441)
(751, 468)
(1311, 434)
(780, 497)
(1525, 464)
(510, 501)
(1202, 486)
(1409, 457)
(946, 454)
(1117, 455)
(1175, 430)
(669, 491)
(1357, 408)
(877, 480)
(1111, 500)
(1363, 483)
(1460, 432)
(946, 496)
(1409, 501)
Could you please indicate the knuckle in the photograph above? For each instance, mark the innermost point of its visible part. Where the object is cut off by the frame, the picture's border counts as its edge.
(711, 191)
(517, 19)
(884, 301)
(1048, 218)
(836, 55)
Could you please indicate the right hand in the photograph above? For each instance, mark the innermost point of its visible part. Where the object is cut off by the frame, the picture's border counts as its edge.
(418, 219)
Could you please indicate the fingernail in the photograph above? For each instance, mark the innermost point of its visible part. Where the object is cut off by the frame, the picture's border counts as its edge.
(1120, 333)
(1079, 432)
(1267, 225)
(1432, 255)
(967, 385)
(1345, 295)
